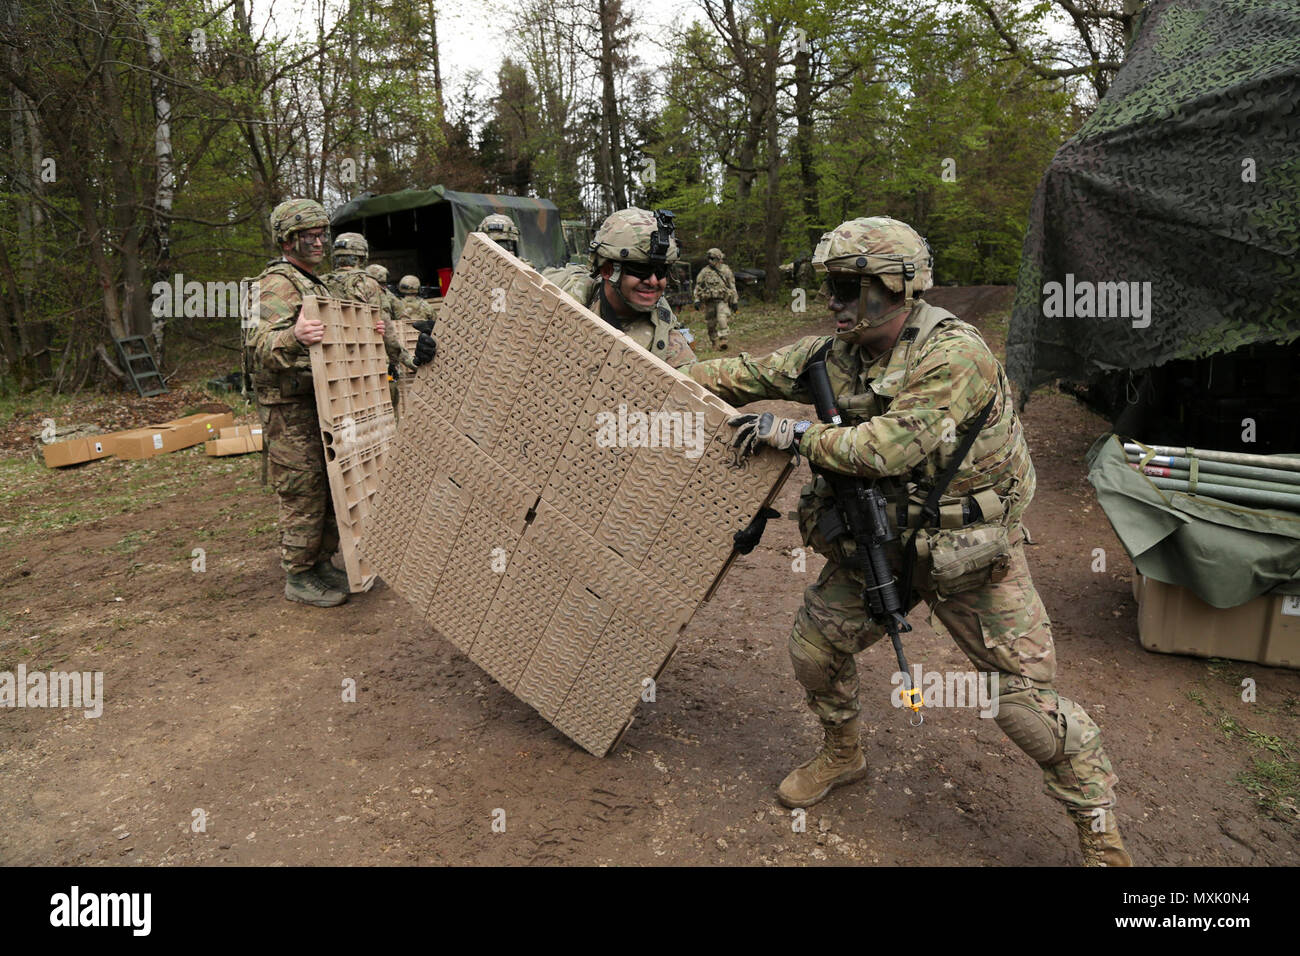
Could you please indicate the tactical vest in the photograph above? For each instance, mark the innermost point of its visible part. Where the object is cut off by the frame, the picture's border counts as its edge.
(294, 385)
(996, 475)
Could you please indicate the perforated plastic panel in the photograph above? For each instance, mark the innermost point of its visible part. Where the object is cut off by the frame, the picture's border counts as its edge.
(350, 373)
(575, 500)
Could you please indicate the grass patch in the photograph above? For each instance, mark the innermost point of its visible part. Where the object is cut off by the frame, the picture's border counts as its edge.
(761, 322)
(130, 542)
(14, 403)
(1273, 776)
(61, 500)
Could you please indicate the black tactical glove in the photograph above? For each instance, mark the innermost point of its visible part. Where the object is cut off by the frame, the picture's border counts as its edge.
(747, 538)
(425, 349)
(781, 433)
(424, 325)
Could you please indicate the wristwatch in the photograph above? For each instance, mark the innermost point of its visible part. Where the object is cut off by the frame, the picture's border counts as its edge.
(800, 427)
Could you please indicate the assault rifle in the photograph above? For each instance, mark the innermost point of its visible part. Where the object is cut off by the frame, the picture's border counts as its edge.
(861, 513)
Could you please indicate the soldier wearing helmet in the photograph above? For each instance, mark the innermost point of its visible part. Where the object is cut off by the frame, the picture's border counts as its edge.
(715, 286)
(626, 279)
(352, 280)
(286, 398)
(503, 231)
(410, 307)
(911, 382)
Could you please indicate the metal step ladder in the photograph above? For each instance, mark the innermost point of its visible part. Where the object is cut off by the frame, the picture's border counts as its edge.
(138, 362)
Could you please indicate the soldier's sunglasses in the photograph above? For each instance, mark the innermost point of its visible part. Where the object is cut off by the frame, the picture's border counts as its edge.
(644, 270)
(311, 238)
(845, 288)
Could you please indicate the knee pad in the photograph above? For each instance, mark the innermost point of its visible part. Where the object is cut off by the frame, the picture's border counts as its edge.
(1048, 738)
(813, 666)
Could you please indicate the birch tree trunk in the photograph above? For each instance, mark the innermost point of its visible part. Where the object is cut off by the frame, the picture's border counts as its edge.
(164, 184)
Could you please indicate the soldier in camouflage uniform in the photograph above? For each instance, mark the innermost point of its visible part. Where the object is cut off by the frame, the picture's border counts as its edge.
(410, 307)
(350, 281)
(503, 231)
(625, 281)
(286, 401)
(715, 286)
(909, 379)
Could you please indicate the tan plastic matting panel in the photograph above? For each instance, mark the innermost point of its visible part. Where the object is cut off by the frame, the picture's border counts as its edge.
(555, 541)
(350, 371)
(408, 335)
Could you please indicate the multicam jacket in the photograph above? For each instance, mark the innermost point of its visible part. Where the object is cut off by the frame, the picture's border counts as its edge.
(280, 364)
(715, 283)
(658, 332)
(353, 282)
(904, 414)
(412, 308)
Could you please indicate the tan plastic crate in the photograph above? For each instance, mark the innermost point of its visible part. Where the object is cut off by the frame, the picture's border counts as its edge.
(1173, 620)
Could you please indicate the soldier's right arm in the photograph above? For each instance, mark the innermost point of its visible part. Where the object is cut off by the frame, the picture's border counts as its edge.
(745, 379)
(274, 344)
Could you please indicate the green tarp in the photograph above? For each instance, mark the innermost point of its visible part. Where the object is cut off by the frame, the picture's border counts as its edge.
(1227, 554)
(1183, 186)
(541, 238)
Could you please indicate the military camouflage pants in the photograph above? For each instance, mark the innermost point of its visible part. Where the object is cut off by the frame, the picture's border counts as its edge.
(1002, 627)
(308, 530)
(716, 315)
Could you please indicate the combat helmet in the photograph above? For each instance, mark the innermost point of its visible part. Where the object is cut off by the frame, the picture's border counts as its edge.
(409, 285)
(351, 245)
(501, 230)
(294, 215)
(634, 235)
(378, 272)
(715, 254)
(877, 246)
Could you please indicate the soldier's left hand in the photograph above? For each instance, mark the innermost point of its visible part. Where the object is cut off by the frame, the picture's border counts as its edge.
(425, 349)
(424, 325)
(379, 326)
(767, 429)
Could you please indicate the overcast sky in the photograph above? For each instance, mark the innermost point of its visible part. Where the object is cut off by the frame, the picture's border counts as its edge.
(472, 34)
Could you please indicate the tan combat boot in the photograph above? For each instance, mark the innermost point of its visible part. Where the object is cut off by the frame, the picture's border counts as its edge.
(305, 588)
(1101, 847)
(840, 761)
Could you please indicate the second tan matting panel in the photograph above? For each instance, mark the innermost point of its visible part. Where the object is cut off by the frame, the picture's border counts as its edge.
(349, 369)
(558, 501)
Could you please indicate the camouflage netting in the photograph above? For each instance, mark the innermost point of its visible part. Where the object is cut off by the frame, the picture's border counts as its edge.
(1186, 176)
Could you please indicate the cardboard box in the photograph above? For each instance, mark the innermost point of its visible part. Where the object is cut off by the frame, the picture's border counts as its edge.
(173, 436)
(1173, 620)
(202, 426)
(239, 440)
(59, 454)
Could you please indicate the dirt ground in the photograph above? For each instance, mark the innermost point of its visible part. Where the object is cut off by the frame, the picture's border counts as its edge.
(224, 703)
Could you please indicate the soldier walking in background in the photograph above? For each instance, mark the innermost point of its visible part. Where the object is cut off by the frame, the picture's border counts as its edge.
(919, 391)
(715, 286)
(286, 401)
(625, 281)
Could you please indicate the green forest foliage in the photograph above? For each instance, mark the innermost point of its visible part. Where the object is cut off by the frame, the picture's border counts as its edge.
(768, 122)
